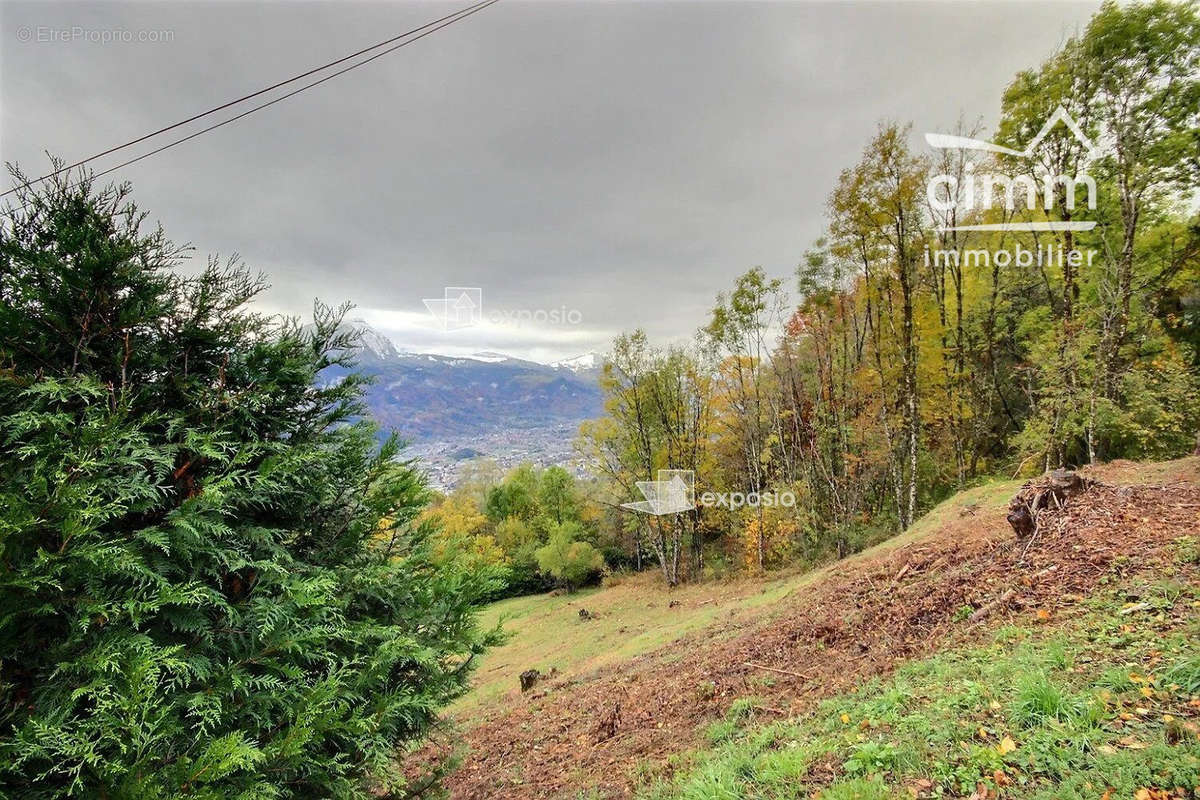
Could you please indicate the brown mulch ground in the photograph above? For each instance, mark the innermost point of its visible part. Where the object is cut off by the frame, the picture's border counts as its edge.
(863, 619)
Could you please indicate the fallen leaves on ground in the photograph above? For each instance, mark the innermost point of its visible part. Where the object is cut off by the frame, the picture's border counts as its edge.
(851, 624)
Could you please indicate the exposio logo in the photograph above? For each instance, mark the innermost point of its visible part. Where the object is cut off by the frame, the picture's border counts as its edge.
(462, 307)
(675, 492)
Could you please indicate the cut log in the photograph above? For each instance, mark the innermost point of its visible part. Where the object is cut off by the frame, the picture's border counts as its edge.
(984, 611)
(1021, 519)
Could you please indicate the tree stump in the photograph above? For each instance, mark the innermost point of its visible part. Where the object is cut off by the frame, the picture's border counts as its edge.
(528, 678)
(608, 724)
(1048, 491)
(1067, 483)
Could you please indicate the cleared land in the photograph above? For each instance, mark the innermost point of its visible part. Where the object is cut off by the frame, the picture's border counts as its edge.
(641, 687)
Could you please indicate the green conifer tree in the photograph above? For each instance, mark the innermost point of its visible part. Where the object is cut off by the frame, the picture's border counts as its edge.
(213, 583)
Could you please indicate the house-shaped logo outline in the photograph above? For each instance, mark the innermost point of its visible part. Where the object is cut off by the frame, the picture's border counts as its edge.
(458, 307)
(944, 141)
(674, 492)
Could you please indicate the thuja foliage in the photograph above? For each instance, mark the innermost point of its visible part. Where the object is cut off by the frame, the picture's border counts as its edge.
(213, 581)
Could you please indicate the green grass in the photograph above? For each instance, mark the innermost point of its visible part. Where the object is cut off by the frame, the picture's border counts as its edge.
(924, 724)
(634, 618)
(1106, 700)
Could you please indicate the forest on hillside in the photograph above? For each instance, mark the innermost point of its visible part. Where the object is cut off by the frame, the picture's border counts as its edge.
(220, 579)
(966, 314)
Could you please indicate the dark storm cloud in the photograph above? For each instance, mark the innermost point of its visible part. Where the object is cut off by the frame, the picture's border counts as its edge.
(621, 160)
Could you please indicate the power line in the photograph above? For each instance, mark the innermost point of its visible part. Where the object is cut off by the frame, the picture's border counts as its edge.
(440, 23)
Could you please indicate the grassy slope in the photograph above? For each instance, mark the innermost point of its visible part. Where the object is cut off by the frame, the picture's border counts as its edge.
(1103, 702)
(1084, 735)
(630, 618)
(633, 617)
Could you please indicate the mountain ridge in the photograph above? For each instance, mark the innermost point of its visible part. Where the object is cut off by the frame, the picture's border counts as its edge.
(428, 397)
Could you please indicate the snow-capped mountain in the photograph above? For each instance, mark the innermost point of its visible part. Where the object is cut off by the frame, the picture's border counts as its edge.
(583, 363)
(430, 397)
(372, 341)
(490, 357)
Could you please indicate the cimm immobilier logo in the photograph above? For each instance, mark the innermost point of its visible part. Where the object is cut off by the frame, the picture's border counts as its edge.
(981, 190)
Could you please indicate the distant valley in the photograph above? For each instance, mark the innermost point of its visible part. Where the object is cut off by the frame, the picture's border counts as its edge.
(452, 409)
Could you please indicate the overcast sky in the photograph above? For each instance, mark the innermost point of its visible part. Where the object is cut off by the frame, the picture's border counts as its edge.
(619, 163)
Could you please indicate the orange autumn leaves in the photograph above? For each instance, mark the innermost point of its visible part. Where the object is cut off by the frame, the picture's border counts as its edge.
(778, 537)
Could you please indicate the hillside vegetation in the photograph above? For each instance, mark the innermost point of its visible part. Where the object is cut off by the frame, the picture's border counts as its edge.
(635, 614)
(954, 610)
(1103, 704)
(916, 349)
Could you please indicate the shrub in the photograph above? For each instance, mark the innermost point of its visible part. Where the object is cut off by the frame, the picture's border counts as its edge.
(213, 582)
(871, 757)
(568, 560)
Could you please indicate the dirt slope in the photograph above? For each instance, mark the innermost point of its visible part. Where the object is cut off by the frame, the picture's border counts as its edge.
(866, 615)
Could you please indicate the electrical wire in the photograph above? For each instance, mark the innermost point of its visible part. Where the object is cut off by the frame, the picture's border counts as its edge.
(440, 23)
